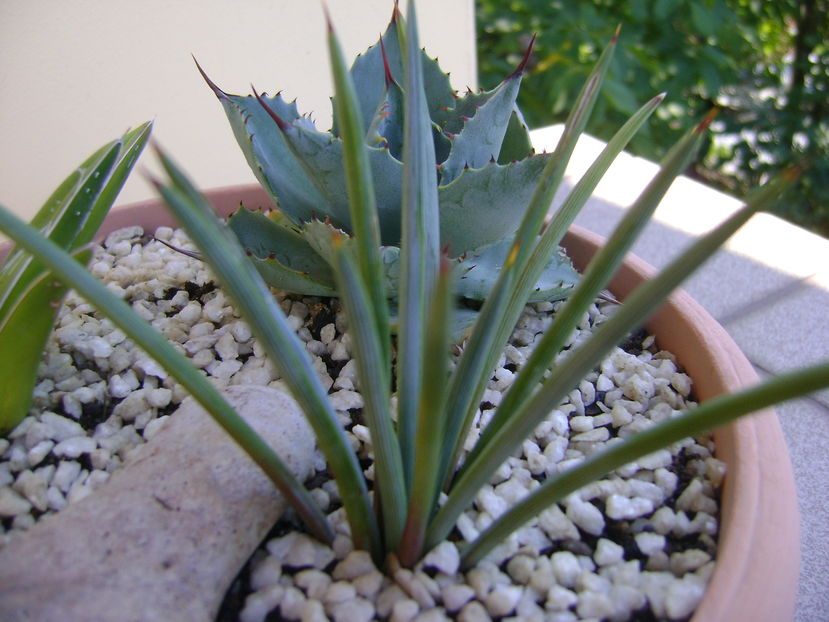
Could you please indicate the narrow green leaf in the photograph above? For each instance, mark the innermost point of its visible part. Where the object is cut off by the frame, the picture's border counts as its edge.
(419, 252)
(597, 275)
(482, 350)
(527, 289)
(28, 295)
(60, 219)
(633, 313)
(23, 335)
(372, 373)
(363, 207)
(429, 438)
(578, 196)
(713, 413)
(245, 287)
(179, 367)
(130, 147)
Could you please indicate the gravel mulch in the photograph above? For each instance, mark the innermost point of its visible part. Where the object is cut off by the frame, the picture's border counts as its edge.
(639, 544)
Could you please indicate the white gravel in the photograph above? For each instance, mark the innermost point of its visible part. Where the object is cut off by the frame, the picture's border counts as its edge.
(644, 537)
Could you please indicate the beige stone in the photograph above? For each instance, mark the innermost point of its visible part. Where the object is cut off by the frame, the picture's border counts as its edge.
(165, 536)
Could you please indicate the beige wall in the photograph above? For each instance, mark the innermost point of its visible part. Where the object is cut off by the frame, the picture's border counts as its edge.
(76, 73)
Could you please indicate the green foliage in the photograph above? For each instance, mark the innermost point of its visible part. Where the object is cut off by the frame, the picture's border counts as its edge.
(779, 112)
(30, 296)
(765, 64)
(416, 457)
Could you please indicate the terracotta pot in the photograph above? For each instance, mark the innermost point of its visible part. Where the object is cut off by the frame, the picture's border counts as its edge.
(758, 557)
(758, 560)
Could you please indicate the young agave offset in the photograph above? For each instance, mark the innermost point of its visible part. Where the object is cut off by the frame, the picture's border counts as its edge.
(485, 171)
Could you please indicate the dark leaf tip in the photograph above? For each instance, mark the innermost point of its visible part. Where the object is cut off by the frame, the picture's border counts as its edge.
(523, 64)
(329, 26)
(703, 125)
(386, 68)
(219, 92)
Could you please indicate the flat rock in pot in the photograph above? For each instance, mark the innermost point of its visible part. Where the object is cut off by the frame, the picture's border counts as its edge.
(166, 535)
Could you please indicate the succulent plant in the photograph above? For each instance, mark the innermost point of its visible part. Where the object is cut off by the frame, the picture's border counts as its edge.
(416, 455)
(485, 173)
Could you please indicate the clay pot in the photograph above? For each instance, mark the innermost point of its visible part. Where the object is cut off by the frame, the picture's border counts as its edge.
(758, 556)
(758, 560)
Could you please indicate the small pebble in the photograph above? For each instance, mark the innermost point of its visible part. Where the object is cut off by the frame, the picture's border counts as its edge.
(649, 543)
(74, 447)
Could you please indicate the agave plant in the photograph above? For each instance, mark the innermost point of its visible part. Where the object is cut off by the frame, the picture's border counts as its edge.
(485, 167)
(416, 454)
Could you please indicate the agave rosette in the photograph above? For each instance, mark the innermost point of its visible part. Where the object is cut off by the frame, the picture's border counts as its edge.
(485, 176)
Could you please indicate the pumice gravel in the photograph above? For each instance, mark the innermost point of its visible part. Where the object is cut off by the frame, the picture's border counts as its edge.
(637, 545)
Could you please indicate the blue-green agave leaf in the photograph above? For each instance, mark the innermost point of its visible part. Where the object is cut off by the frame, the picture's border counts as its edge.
(451, 119)
(479, 272)
(321, 155)
(482, 135)
(494, 196)
(268, 153)
(480, 140)
(386, 129)
(517, 144)
(443, 145)
(281, 254)
(368, 74)
(320, 235)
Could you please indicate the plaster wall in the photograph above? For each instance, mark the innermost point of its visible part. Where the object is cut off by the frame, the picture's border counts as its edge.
(74, 75)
